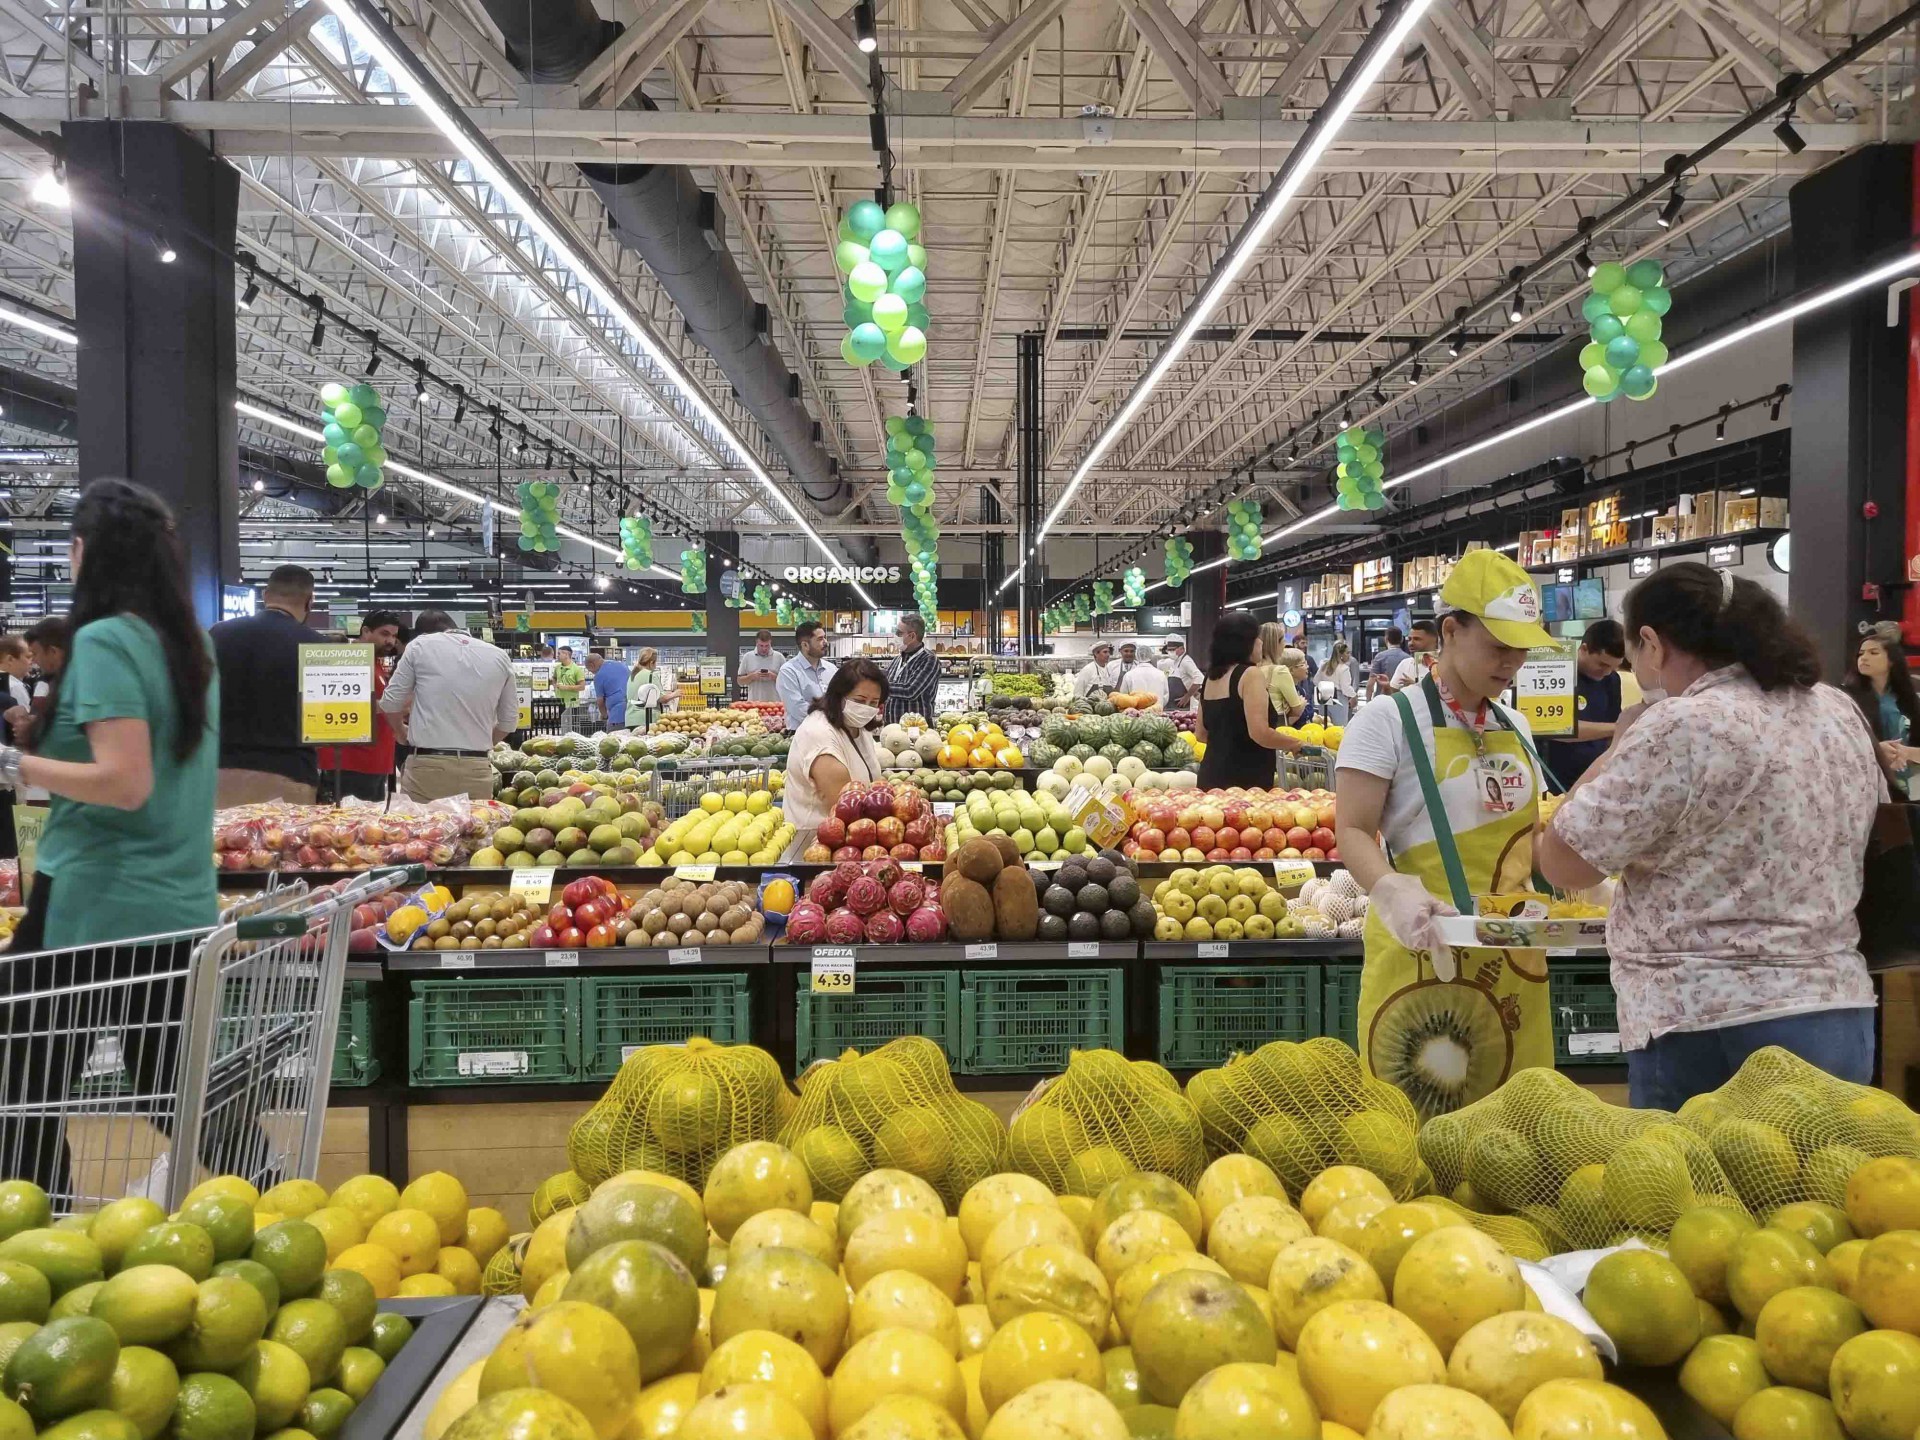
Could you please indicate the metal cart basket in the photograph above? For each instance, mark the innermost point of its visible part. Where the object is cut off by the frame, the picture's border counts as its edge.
(145, 1065)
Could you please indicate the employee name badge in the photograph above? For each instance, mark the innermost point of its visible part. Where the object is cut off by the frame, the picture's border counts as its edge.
(1502, 781)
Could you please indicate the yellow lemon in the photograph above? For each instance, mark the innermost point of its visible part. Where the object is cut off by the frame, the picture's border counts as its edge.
(486, 1232)
(412, 1235)
(340, 1227)
(458, 1268)
(442, 1197)
(420, 1287)
(376, 1264)
(368, 1196)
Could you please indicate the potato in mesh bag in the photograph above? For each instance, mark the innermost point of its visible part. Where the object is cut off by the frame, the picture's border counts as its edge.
(893, 1108)
(1784, 1130)
(1302, 1107)
(677, 1110)
(1104, 1118)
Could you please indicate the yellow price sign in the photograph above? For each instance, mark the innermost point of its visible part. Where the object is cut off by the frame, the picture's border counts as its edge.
(336, 694)
(833, 970)
(1543, 691)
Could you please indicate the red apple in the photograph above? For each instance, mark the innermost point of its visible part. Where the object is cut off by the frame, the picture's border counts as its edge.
(920, 831)
(1204, 837)
(579, 892)
(570, 938)
(1216, 854)
(847, 807)
(1265, 852)
(1226, 836)
(600, 937)
(590, 914)
(543, 937)
(1273, 837)
(1236, 813)
(1313, 852)
(1289, 853)
(831, 832)
(933, 851)
(1178, 838)
(906, 804)
(560, 916)
(1323, 837)
(904, 851)
(1334, 855)
(1299, 837)
(1152, 840)
(1240, 852)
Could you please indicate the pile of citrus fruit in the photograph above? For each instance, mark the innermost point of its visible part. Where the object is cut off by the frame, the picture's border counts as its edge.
(243, 1314)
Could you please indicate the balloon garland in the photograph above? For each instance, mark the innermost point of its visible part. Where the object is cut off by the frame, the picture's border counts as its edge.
(539, 516)
(1082, 609)
(1243, 529)
(352, 422)
(1361, 453)
(693, 571)
(762, 598)
(1133, 585)
(1623, 314)
(1103, 597)
(885, 285)
(1179, 560)
(910, 466)
(636, 541)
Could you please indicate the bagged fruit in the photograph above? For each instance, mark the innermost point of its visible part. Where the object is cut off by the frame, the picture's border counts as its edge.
(894, 1108)
(1784, 1130)
(677, 1109)
(502, 1275)
(1300, 1108)
(1102, 1118)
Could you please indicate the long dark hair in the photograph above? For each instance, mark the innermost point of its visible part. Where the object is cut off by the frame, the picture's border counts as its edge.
(1899, 685)
(131, 563)
(1692, 609)
(1234, 636)
(833, 703)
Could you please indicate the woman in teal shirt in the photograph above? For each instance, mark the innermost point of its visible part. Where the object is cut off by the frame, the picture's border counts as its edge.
(1882, 687)
(129, 757)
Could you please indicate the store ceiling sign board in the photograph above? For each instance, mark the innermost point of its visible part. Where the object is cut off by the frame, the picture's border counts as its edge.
(1640, 566)
(1724, 557)
(1543, 689)
(336, 694)
(843, 574)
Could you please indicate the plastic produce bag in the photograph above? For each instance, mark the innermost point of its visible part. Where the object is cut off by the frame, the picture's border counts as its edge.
(1103, 1118)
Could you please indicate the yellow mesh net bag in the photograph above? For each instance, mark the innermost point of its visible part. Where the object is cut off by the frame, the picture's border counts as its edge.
(1103, 1118)
(893, 1108)
(677, 1109)
(565, 1191)
(502, 1275)
(1785, 1131)
(1302, 1107)
(1582, 1172)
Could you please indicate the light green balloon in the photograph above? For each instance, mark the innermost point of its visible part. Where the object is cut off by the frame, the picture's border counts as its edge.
(847, 254)
(1644, 326)
(867, 281)
(1653, 354)
(909, 347)
(347, 416)
(1599, 382)
(1609, 277)
(1592, 354)
(890, 314)
(1624, 300)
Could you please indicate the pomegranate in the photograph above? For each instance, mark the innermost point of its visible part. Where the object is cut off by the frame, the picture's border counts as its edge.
(927, 925)
(877, 801)
(885, 928)
(890, 832)
(866, 895)
(904, 851)
(848, 807)
(831, 832)
(907, 803)
(906, 895)
(807, 923)
(845, 928)
(919, 831)
(844, 853)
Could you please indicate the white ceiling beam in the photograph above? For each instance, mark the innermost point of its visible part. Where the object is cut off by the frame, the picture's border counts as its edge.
(1448, 64)
(1314, 49)
(1724, 34)
(1193, 71)
(220, 39)
(64, 51)
(268, 48)
(1802, 50)
(1632, 25)
(1479, 56)
(1000, 54)
(829, 41)
(657, 47)
(612, 60)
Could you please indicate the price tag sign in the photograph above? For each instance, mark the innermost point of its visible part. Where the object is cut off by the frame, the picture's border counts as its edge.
(988, 951)
(456, 959)
(1213, 949)
(563, 959)
(943, 809)
(1045, 864)
(713, 677)
(699, 874)
(1543, 691)
(1083, 949)
(833, 970)
(684, 955)
(336, 694)
(913, 867)
(1292, 872)
(535, 882)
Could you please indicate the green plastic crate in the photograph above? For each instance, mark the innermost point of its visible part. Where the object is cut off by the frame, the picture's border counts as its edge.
(1340, 1003)
(493, 1032)
(618, 1017)
(885, 1005)
(1584, 1005)
(354, 1062)
(1207, 1012)
(1021, 1021)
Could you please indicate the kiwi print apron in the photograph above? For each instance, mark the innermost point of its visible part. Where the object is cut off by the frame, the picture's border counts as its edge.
(1448, 1042)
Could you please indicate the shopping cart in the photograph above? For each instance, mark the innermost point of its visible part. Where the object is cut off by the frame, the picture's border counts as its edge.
(1307, 772)
(123, 1060)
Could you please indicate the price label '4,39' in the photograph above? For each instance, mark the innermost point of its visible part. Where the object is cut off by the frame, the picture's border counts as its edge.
(833, 970)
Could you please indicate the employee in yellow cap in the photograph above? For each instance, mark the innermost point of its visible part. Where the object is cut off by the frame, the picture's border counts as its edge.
(1448, 779)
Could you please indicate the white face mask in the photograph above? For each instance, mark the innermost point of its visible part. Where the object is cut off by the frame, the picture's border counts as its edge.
(859, 714)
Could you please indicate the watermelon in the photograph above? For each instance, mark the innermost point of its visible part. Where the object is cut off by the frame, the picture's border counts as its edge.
(1177, 754)
(1042, 756)
(1115, 753)
(1082, 752)
(1148, 753)
(1059, 731)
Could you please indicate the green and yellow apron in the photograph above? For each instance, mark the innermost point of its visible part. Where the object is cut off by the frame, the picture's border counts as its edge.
(1447, 1043)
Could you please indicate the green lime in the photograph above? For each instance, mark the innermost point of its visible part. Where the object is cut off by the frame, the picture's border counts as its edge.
(290, 1433)
(390, 1333)
(144, 1388)
(351, 1293)
(147, 1304)
(227, 1218)
(116, 1226)
(63, 1367)
(24, 1292)
(82, 1223)
(229, 1318)
(12, 1333)
(359, 1368)
(256, 1275)
(172, 1242)
(295, 1252)
(77, 1301)
(23, 1206)
(315, 1330)
(65, 1257)
(212, 1407)
(15, 1423)
(325, 1412)
(276, 1378)
(94, 1425)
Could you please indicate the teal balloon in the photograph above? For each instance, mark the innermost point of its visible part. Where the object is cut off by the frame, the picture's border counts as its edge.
(1658, 300)
(1643, 325)
(351, 455)
(896, 366)
(866, 219)
(1593, 307)
(1638, 382)
(914, 425)
(867, 281)
(889, 250)
(1609, 277)
(847, 254)
(890, 314)
(367, 477)
(1623, 352)
(333, 434)
(526, 542)
(1624, 300)
(904, 219)
(339, 476)
(373, 415)
(1599, 382)
(909, 345)
(900, 474)
(347, 416)
(916, 255)
(1608, 328)
(365, 435)
(1592, 354)
(1653, 354)
(332, 393)
(896, 494)
(909, 284)
(376, 455)
(1344, 470)
(855, 312)
(364, 395)
(869, 341)
(917, 315)
(915, 491)
(925, 441)
(1645, 274)
(1611, 396)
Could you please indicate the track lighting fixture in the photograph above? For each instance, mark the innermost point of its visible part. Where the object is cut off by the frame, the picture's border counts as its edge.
(259, 487)
(1379, 396)
(51, 186)
(864, 33)
(1414, 374)
(380, 518)
(1346, 414)
(319, 336)
(1670, 211)
(373, 359)
(252, 291)
(601, 582)
(1779, 399)
(1583, 257)
(1673, 442)
(459, 404)
(1720, 426)
(1787, 135)
(163, 247)
(1454, 343)
(419, 382)
(1517, 306)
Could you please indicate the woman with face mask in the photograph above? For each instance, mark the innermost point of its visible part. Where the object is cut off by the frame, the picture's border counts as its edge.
(834, 748)
(1736, 811)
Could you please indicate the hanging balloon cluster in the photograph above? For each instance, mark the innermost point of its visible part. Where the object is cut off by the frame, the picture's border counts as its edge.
(1624, 313)
(1103, 597)
(910, 464)
(1361, 453)
(636, 541)
(1179, 560)
(762, 598)
(1082, 609)
(885, 287)
(1133, 585)
(539, 515)
(1243, 529)
(693, 571)
(352, 420)
(783, 612)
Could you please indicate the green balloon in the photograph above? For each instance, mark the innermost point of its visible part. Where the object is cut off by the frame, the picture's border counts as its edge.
(904, 218)
(869, 341)
(347, 416)
(1638, 383)
(916, 255)
(365, 435)
(917, 315)
(1599, 382)
(332, 393)
(1645, 274)
(1592, 354)
(890, 314)
(373, 415)
(1593, 307)
(1609, 277)
(1643, 325)
(849, 354)
(376, 455)
(900, 474)
(847, 254)
(1623, 351)
(910, 284)
(1624, 300)
(889, 251)
(866, 219)
(909, 345)
(1366, 453)
(367, 477)
(351, 455)
(845, 231)
(364, 395)
(915, 460)
(1658, 300)
(1653, 354)
(855, 312)
(867, 281)
(1608, 327)
(339, 476)
(333, 434)
(328, 455)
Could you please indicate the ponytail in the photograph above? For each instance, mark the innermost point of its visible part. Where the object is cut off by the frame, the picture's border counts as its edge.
(1722, 620)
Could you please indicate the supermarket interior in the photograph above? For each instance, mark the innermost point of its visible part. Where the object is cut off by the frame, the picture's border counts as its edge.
(1139, 724)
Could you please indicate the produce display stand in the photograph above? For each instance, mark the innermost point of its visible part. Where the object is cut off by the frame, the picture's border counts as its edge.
(416, 1374)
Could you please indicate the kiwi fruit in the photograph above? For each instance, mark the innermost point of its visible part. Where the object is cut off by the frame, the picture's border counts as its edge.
(1443, 1044)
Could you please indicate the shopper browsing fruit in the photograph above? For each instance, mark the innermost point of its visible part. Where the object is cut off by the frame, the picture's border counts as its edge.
(569, 679)
(1448, 779)
(1235, 714)
(833, 748)
(451, 697)
(1288, 705)
(646, 688)
(1882, 686)
(1733, 926)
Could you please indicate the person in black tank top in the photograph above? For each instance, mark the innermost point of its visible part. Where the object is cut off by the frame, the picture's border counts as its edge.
(1235, 716)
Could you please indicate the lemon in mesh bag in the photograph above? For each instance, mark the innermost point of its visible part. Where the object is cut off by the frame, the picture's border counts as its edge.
(894, 1108)
(559, 1192)
(676, 1110)
(1786, 1131)
(1300, 1108)
(502, 1275)
(1101, 1120)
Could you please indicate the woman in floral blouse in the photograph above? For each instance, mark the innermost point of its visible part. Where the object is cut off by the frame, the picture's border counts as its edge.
(1736, 811)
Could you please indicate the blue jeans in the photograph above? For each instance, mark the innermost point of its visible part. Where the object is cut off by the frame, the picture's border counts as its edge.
(1675, 1068)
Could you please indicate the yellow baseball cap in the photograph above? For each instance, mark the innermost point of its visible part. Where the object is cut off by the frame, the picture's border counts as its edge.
(1487, 584)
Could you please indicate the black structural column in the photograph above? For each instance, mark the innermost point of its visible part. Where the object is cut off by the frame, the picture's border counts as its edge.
(1206, 593)
(1030, 591)
(1849, 400)
(723, 621)
(156, 355)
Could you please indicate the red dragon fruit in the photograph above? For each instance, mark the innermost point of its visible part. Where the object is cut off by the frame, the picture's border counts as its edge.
(885, 928)
(906, 895)
(807, 923)
(826, 889)
(846, 872)
(886, 870)
(926, 925)
(845, 928)
(866, 896)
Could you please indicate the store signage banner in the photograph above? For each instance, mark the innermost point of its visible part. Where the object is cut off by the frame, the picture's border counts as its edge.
(843, 574)
(336, 694)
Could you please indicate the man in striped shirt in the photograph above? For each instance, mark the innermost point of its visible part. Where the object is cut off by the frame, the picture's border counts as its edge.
(915, 675)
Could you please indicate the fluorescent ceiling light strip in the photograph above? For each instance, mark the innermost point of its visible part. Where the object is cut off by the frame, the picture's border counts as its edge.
(402, 67)
(11, 316)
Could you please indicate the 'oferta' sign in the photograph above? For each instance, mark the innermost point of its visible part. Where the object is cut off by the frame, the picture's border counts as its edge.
(843, 574)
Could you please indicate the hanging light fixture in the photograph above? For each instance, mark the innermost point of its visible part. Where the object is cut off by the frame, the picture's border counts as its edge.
(864, 33)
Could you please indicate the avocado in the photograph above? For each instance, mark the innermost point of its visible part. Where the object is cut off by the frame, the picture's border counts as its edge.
(1101, 870)
(1123, 891)
(1052, 927)
(1083, 926)
(1058, 900)
(1116, 925)
(1072, 875)
(1143, 915)
(1092, 898)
